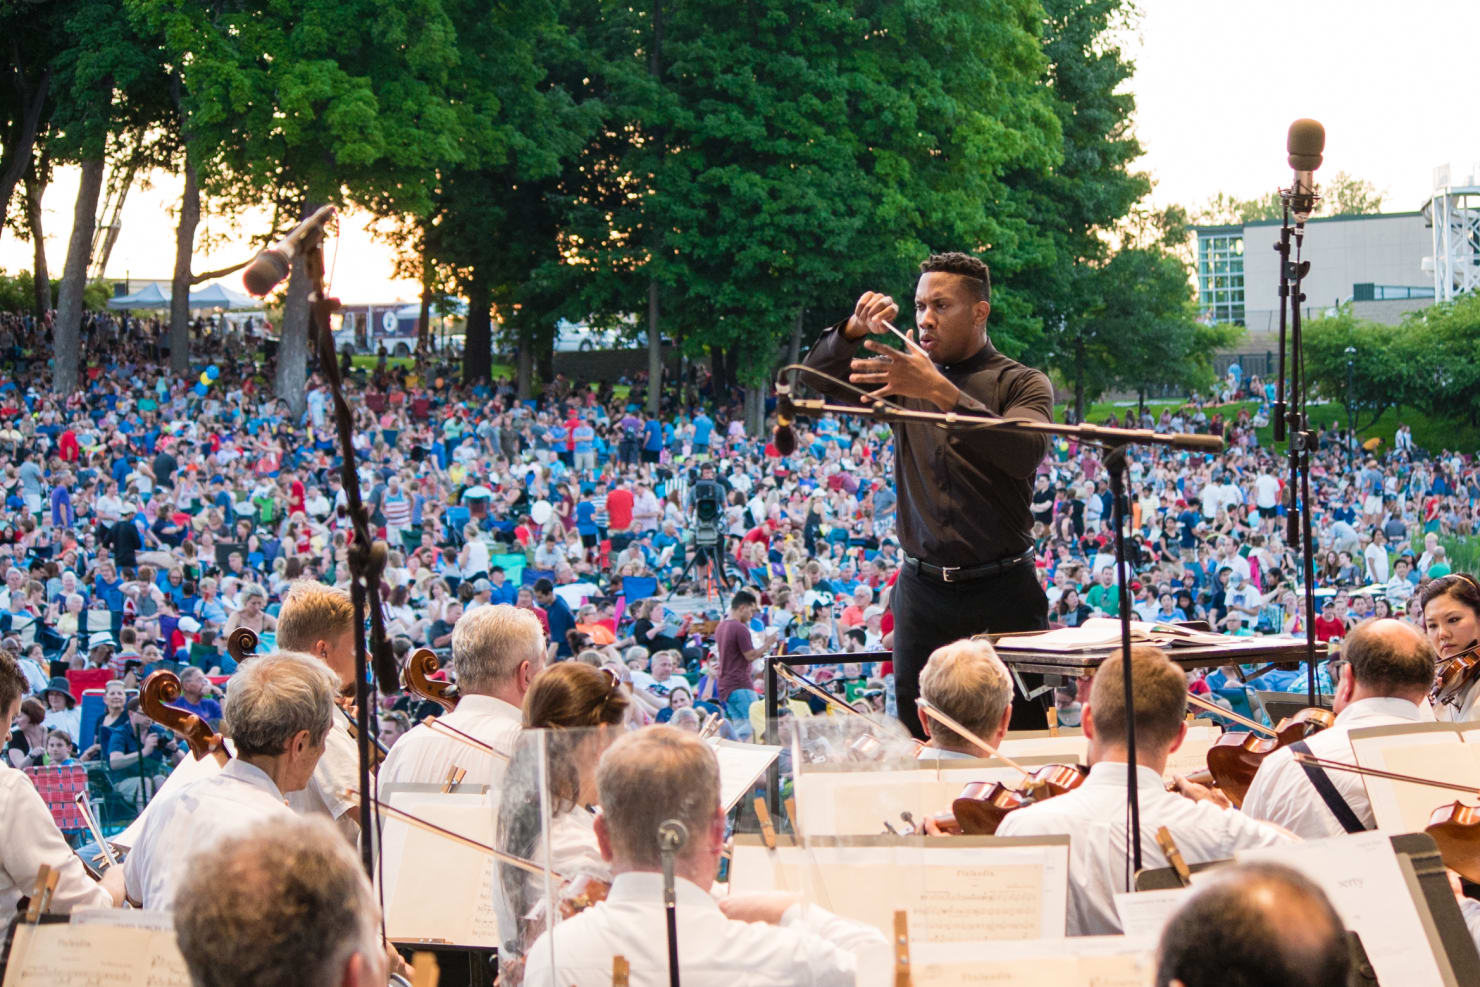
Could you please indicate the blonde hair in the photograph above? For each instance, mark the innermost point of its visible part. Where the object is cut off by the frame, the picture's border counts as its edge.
(313, 612)
(1160, 691)
(969, 683)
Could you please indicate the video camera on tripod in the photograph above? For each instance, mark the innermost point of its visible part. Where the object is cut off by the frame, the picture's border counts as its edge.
(707, 498)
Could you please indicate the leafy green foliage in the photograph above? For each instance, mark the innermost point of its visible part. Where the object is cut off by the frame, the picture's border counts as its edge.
(1341, 195)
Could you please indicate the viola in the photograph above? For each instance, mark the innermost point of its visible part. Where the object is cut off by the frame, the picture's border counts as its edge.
(417, 679)
(1453, 675)
(982, 805)
(160, 689)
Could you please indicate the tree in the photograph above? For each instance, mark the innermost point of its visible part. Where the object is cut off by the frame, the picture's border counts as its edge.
(1341, 195)
(1386, 368)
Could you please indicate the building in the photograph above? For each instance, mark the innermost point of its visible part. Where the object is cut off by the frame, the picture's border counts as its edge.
(1375, 263)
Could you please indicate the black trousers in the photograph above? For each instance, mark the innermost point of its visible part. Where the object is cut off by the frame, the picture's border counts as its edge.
(929, 613)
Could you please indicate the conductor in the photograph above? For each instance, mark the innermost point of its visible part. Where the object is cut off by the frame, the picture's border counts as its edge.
(964, 518)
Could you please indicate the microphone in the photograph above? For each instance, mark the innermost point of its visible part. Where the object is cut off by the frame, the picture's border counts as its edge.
(270, 266)
(1304, 142)
(783, 436)
(672, 835)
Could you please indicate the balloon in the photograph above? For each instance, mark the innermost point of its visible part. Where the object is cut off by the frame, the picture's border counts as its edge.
(213, 371)
(200, 390)
(205, 380)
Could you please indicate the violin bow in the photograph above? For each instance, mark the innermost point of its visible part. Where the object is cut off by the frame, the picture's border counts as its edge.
(807, 686)
(392, 812)
(447, 730)
(1242, 721)
(927, 706)
(106, 849)
(1357, 769)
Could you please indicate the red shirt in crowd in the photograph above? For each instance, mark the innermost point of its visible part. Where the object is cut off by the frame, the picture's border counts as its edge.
(619, 509)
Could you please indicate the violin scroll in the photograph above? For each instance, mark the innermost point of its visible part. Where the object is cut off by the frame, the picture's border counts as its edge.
(240, 644)
(417, 678)
(160, 689)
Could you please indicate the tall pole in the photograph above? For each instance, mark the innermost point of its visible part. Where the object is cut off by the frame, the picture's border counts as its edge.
(1351, 418)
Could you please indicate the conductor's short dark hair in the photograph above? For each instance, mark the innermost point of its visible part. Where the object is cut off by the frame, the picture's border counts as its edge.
(1256, 925)
(975, 271)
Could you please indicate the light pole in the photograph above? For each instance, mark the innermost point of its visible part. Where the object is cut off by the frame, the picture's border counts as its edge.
(1351, 425)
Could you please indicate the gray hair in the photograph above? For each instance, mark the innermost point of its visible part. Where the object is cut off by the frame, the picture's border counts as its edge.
(272, 697)
(489, 645)
(287, 904)
(968, 682)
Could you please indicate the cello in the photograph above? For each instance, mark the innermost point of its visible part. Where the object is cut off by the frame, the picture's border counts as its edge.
(417, 679)
(163, 687)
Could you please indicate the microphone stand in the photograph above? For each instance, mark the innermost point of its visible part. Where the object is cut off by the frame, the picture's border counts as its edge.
(1117, 440)
(1292, 420)
(672, 835)
(367, 558)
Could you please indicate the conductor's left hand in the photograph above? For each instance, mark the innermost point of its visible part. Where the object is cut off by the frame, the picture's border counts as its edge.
(906, 373)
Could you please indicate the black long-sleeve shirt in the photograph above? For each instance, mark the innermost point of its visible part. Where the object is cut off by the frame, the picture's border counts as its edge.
(950, 514)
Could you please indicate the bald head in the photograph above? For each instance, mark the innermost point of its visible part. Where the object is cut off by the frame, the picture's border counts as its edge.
(1255, 925)
(1389, 658)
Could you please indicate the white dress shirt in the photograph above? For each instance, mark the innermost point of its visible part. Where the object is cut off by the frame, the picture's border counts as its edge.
(338, 769)
(1094, 817)
(1466, 710)
(424, 755)
(928, 753)
(811, 946)
(573, 853)
(1283, 794)
(201, 815)
(30, 839)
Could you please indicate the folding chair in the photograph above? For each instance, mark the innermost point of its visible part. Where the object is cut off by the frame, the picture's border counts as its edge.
(59, 787)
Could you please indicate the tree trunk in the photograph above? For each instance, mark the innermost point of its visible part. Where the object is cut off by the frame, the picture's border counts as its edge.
(424, 317)
(1079, 385)
(1140, 406)
(478, 346)
(68, 332)
(35, 187)
(717, 371)
(17, 155)
(292, 354)
(655, 351)
(524, 369)
(794, 351)
(543, 344)
(755, 410)
(180, 284)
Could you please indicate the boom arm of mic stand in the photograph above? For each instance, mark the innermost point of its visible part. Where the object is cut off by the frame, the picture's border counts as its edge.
(957, 419)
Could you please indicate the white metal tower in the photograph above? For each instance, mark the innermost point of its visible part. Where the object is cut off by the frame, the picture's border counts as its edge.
(1453, 212)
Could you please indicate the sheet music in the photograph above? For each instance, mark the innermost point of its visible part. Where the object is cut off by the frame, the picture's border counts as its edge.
(1193, 754)
(95, 955)
(1008, 889)
(1427, 750)
(857, 803)
(1145, 913)
(451, 899)
(1096, 633)
(1097, 961)
(739, 767)
(1361, 876)
(1069, 750)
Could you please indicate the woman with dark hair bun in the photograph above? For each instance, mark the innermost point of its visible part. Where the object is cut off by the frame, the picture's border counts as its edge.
(572, 713)
(1451, 619)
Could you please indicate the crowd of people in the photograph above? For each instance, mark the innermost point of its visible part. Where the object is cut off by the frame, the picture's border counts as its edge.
(150, 515)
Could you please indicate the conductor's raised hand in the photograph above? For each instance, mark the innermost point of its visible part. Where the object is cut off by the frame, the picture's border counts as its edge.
(907, 372)
(870, 314)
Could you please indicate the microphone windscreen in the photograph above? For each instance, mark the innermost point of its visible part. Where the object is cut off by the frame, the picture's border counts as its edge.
(785, 440)
(265, 272)
(1305, 142)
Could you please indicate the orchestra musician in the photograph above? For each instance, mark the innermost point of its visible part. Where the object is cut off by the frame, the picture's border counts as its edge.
(1094, 814)
(319, 621)
(1451, 618)
(963, 514)
(31, 837)
(1386, 677)
(497, 651)
(279, 710)
(284, 904)
(645, 779)
(578, 710)
(968, 682)
(1254, 925)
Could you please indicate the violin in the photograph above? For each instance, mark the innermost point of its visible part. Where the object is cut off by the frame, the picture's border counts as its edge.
(417, 679)
(1454, 674)
(160, 689)
(1235, 758)
(982, 805)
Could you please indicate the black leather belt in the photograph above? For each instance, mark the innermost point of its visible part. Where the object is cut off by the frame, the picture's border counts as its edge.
(967, 573)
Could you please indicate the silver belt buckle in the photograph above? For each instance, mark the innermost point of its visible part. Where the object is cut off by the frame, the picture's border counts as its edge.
(945, 572)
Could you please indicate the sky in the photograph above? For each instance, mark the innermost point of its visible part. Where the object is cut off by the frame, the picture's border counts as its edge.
(1217, 85)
